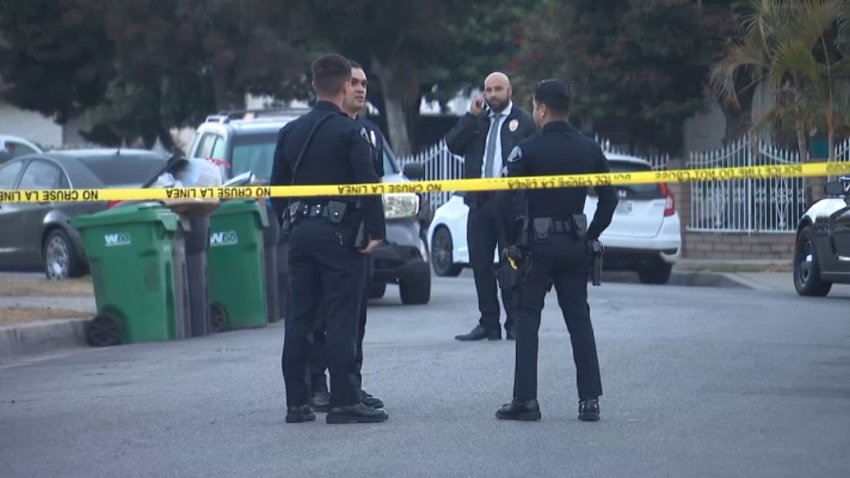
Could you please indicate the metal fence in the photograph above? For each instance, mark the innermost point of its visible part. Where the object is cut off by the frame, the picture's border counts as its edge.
(751, 205)
(440, 163)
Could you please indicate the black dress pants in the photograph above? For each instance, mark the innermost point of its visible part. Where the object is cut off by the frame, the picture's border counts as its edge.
(563, 261)
(484, 233)
(326, 269)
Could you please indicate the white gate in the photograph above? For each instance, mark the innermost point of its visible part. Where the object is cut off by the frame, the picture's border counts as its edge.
(752, 205)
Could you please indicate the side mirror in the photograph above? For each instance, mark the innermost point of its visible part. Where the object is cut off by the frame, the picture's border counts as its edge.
(414, 171)
(838, 188)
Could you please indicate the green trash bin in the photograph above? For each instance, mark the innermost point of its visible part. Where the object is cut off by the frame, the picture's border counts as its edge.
(136, 274)
(235, 266)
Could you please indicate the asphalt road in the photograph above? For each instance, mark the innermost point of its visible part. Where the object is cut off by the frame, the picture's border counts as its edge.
(698, 382)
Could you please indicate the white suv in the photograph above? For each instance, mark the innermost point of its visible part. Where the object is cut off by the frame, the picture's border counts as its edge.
(644, 236)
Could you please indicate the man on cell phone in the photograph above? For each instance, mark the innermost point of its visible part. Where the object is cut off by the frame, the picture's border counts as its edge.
(485, 136)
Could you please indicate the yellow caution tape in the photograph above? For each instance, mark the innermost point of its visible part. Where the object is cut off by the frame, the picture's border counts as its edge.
(487, 184)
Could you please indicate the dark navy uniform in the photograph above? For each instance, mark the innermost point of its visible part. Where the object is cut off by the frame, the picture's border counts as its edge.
(325, 266)
(318, 361)
(562, 259)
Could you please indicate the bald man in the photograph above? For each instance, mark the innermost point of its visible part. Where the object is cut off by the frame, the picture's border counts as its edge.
(485, 136)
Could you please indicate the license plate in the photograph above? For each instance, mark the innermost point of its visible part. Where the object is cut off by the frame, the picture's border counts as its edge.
(623, 207)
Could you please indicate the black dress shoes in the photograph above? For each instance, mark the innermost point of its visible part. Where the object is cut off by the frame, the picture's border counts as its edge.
(370, 401)
(358, 413)
(588, 410)
(480, 333)
(299, 414)
(321, 401)
(528, 410)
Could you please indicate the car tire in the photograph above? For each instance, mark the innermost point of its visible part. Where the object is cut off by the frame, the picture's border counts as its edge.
(658, 274)
(441, 254)
(807, 278)
(415, 290)
(60, 259)
(377, 290)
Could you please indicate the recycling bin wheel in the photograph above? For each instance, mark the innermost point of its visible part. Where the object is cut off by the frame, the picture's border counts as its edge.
(104, 330)
(218, 317)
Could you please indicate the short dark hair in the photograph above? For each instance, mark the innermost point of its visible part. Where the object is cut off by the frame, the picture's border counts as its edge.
(330, 73)
(354, 65)
(555, 94)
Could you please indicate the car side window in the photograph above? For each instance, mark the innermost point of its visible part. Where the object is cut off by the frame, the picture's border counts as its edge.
(19, 149)
(218, 149)
(9, 173)
(41, 175)
(205, 147)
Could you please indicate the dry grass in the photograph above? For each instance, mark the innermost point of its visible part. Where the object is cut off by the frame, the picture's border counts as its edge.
(12, 286)
(23, 315)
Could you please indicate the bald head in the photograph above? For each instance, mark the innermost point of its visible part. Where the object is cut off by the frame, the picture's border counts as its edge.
(497, 91)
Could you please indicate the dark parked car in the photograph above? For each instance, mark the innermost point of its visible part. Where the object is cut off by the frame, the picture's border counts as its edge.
(37, 236)
(822, 252)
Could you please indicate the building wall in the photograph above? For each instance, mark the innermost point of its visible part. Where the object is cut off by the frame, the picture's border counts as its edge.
(30, 125)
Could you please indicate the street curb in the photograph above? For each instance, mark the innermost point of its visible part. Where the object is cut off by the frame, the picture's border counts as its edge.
(48, 336)
(686, 278)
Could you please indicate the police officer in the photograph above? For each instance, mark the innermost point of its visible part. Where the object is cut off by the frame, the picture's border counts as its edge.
(327, 265)
(484, 137)
(558, 239)
(320, 400)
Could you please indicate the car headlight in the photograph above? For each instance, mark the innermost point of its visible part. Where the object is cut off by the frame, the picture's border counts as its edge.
(401, 205)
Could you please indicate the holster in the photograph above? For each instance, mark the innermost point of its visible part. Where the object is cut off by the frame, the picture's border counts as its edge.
(596, 251)
(516, 267)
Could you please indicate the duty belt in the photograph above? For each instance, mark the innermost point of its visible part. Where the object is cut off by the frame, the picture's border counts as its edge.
(562, 226)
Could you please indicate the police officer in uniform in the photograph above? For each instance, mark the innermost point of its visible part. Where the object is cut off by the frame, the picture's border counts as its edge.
(558, 238)
(320, 400)
(326, 258)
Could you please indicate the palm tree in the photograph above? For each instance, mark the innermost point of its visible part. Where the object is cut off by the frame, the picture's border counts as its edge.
(786, 46)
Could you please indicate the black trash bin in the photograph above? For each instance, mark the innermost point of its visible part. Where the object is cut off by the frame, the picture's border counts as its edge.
(271, 236)
(197, 240)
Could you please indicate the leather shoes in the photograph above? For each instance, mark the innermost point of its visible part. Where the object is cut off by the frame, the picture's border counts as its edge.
(510, 335)
(480, 333)
(588, 410)
(358, 413)
(371, 401)
(302, 413)
(527, 410)
(321, 401)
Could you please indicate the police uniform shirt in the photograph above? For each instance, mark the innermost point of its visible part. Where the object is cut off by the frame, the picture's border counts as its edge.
(558, 149)
(376, 139)
(339, 153)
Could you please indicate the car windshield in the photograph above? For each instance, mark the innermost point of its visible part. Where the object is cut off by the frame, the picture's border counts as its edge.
(390, 166)
(255, 153)
(113, 171)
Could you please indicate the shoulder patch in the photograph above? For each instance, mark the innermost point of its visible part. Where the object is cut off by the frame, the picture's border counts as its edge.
(515, 155)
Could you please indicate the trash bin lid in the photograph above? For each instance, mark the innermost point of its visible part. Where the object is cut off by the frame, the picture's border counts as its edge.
(242, 206)
(134, 213)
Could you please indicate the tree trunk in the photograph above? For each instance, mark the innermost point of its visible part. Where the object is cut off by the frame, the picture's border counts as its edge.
(400, 87)
(225, 98)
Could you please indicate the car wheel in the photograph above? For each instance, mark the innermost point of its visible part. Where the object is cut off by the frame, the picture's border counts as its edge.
(807, 279)
(656, 274)
(416, 290)
(60, 259)
(377, 290)
(441, 254)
